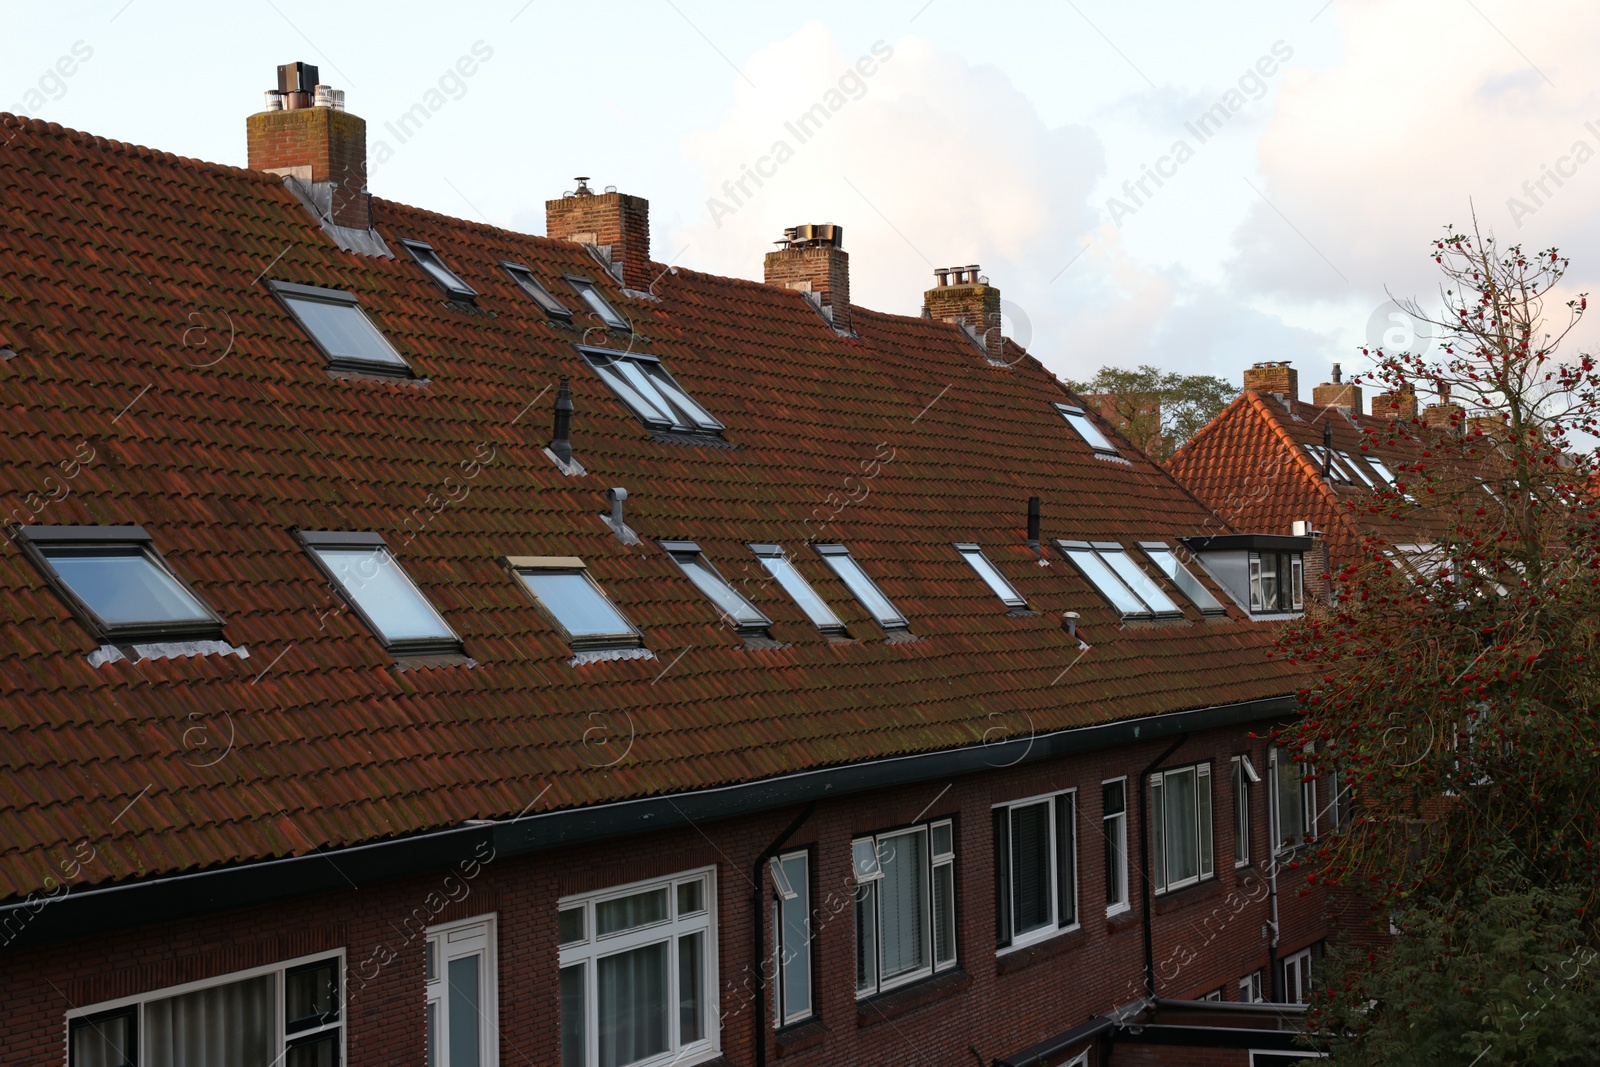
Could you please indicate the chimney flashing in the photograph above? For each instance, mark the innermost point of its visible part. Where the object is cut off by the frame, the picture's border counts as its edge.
(964, 297)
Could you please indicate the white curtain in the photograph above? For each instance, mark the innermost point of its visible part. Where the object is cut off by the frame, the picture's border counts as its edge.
(904, 902)
(632, 1005)
(224, 1026)
(103, 1043)
(1183, 856)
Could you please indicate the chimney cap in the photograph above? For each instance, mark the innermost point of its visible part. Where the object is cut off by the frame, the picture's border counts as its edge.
(583, 186)
(1338, 375)
(813, 235)
(967, 275)
(297, 78)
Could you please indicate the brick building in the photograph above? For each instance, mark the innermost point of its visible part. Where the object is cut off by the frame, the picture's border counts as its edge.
(429, 643)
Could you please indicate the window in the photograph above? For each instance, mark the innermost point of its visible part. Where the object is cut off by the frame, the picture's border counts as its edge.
(1294, 801)
(1036, 868)
(1380, 467)
(1111, 571)
(1297, 977)
(1277, 582)
(791, 937)
(1168, 563)
(733, 608)
(287, 1014)
(865, 589)
(1214, 995)
(991, 576)
(598, 303)
(362, 568)
(1180, 827)
(638, 980)
(459, 968)
(650, 392)
(434, 267)
(1356, 468)
(1243, 774)
(905, 906)
(1250, 991)
(116, 583)
(1114, 828)
(1323, 457)
(569, 598)
(1086, 429)
(337, 325)
(782, 568)
(533, 287)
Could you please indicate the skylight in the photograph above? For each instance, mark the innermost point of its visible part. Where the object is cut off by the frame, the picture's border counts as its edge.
(1336, 471)
(337, 325)
(991, 576)
(1086, 429)
(1168, 563)
(534, 288)
(653, 394)
(778, 564)
(730, 605)
(1381, 468)
(598, 303)
(116, 583)
(447, 279)
(1356, 468)
(570, 598)
(1118, 578)
(865, 589)
(362, 568)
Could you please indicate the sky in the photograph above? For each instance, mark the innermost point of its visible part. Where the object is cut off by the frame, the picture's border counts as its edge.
(1194, 186)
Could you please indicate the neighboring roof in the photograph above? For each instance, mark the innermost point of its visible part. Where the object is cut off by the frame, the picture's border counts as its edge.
(158, 382)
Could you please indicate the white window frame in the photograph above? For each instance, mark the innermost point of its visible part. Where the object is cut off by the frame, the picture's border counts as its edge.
(1295, 579)
(1250, 991)
(1054, 926)
(1116, 581)
(1308, 801)
(1242, 775)
(788, 888)
(439, 949)
(281, 1039)
(867, 875)
(1301, 962)
(595, 947)
(1182, 577)
(654, 396)
(1114, 828)
(1205, 827)
(998, 583)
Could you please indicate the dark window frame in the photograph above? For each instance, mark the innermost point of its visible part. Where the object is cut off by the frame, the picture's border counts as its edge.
(287, 292)
(675, 549)
(520, 565)
(584, 287)
(400, 649)
(83, 1022)
(834, 549)
(967, 550)
(600, 360)
(460, 291)
(530, 284)
(1067, 413)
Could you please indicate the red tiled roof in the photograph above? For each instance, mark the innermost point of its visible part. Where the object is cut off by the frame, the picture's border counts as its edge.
(132, 290)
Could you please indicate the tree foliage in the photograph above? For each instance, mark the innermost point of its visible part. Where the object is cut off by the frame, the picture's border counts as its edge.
(1158, 410)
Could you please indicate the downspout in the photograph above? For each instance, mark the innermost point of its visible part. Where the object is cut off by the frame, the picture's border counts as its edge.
(1144, 862)
(760, 912)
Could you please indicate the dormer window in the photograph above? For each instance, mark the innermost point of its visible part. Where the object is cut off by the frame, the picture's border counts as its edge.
(598, 303)
(991, 576)
(1118, 578)
(434, 267)
(566, 594)
(341, 330)
(1085, 428)
(738, 612)
(782, 568)
(1277, 582)
(838, 558)
(363, 569)
(652, 394)
(531, 285)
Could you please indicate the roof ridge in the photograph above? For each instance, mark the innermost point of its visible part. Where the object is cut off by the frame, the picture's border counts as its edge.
(126, 148)
(1286, 438)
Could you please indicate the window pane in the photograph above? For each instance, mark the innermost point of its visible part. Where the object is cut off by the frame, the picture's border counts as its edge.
(570, 923)
(943, 842)
(1241, 813)
(1167, 562)
(1086, 429)
(125, 587)
(578, 606)
(691, 412)
(105, 1042)
(801, 593)
(1030, 868)
(465, 1011)
(233, 1025)
(904, 904)
(319, 1051)
(1066, 859)
(601, 306)
(692, 897)
(864, 854)
(866, 937)
(795, 949)
(430, 262)
(573, 1017)
(642, 385)
(1137, 580)
(944, 914)
(729, 603)
(344, 331)
(1202, 799)
(1102, 578)
(632, 1001)
(990, 574)
(865, 590)
(1269, 583)
(372, 578)
(624, 913)
(433, 1034)
(1183, 860)
(1291, 808)
(648, 406)
(311, 996)
(691, 988)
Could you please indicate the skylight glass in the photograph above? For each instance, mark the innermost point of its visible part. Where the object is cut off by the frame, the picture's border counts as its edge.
(793, 582)
(653, 394)
(598, 303)
(1103, 578)
(1336, 471)
(563, 587)
(991, 576)
(534, 288)
(1381, 468)
(730, 605)
(1356, 468)
(1086, 429)
(116, 582)
(1168, 563)
(865, 589)
(447, 279)
(1143, 586)
(372, 579)
(335, 321)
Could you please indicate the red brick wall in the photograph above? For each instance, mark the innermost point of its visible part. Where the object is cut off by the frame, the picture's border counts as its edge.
(332, 143)
(824, 267)
(614, 219)
(978, 304)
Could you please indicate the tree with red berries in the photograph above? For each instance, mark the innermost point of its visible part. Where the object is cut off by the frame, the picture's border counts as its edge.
(1456, 692)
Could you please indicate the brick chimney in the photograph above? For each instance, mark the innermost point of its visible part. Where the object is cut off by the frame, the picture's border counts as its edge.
(614, 222)
(1400, 405)
(964, 296)
(1444, 415)
(1346, 396)
(306, 132)
(1273, 377)
(812, 259)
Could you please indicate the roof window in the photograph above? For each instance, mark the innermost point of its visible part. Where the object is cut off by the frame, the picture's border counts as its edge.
(1168, 563)
(865, 589)
(1111, 571)
(1086, 429)
(991, 575)
(533, 287)
(734, 609)
(1381, 468)
(434, 267)
(1277, 582)
(116, 583)
(337, 325)
(598, 303)
(1356, 468)
(781, 567)
(653, 394)
(570, 598)
(362, 568)
(1323, 459)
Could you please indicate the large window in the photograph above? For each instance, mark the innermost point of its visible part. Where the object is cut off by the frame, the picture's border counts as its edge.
(782, 568)
(435, 268)
(459, 969)
(117, 584)
(1277, 581)
(362, 568)
(1036, 868)
(1243, 775)
(348, 339)
(570, 598)
(1110, 569)
(1114, 828)
(286, 1015)
(838, 558)
(650, 392)
(1085, 428)
(905, 906)
(991, 576)
(639, 974)
(1168, 563)
(791, 937)
(1180, 827)
(1294, 800)
(734, 609)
